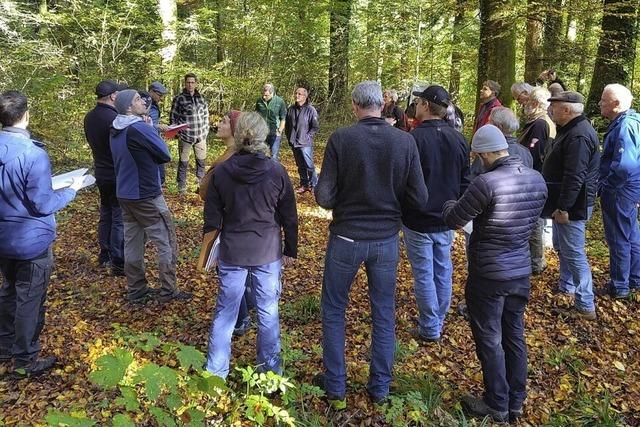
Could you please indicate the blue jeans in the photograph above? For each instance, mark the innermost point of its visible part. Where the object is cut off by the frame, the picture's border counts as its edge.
(620, 219)
(273, 141)
(497, 324)
(342, 261)
(575, 272)
(306, 169)
(265, 286)
(430, 258)
(110, 226)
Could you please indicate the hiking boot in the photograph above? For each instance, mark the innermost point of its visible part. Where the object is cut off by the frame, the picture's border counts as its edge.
(178, 296)
(149, 295)
(379, 402)
(35, 368)
(336, 402)
(585, 314)
(415, 333)
(610, 291)
(462, 310)
(477, 407)
(515, 415)
(243, 328)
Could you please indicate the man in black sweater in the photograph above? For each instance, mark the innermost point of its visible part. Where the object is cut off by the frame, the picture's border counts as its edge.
(97, 124)
(370, 171)
(444, 157)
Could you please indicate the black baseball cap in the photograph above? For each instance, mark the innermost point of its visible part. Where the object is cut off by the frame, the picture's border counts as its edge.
(107, 87)
(436, 94)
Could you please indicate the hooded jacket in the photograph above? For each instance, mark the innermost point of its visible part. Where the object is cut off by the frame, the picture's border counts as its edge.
(251, 198)
(137, 151)
(620, 162)
(27, 201)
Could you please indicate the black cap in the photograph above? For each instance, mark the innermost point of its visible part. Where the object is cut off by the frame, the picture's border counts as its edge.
(436, 94)
(107, 87)
(568, 96)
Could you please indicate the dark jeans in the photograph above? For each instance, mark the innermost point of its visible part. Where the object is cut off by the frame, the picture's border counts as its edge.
(620, 220)
(110, 226)
(342, 262)
(306, 169)
(497, 323)
(273, 141)
(22, 309)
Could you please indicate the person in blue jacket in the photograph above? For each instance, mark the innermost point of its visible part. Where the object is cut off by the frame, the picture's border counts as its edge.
(138, 151)
(27, 231)
(619, 188)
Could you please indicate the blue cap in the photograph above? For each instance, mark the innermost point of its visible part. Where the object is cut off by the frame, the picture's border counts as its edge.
(158, 87)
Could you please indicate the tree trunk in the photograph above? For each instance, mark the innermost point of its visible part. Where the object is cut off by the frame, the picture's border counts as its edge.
(553, 32)
(497, 53)
(533, 63)
(456, 55)
(168, 11)
(219, 46)
(340, 16)
(616, 53)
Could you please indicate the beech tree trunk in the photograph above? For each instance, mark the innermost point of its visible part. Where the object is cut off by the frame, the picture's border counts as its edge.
(168, 11)
(616, 53)
(340, 15)
(553, 34)
(497, 53)
(533, 59)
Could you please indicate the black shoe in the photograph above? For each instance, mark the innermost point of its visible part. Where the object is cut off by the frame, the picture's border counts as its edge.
(462, 310)
(477, 407)
(35, 368)
(149, 295)
(415, 333)
(240, 331)
(609, 291)
(178, 296)
(117, 271)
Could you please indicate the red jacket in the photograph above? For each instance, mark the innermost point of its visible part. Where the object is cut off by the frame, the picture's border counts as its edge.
(482, 116)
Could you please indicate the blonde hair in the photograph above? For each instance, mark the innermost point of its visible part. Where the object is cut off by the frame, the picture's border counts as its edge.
(250, 134)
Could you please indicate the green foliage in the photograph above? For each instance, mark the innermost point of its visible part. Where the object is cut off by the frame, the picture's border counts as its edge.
(565, 356)
(589, 412)
(302, 310)
(57, 418)
(189, 357)
(122, 420)
(111, 368)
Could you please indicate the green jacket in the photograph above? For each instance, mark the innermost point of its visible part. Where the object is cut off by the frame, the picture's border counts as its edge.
(273, 112)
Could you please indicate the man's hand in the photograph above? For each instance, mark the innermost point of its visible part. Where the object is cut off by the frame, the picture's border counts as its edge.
(287, 261)
(560, 217)
(163, 128)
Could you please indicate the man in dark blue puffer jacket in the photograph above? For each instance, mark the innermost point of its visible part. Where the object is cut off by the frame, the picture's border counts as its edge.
(504, 203)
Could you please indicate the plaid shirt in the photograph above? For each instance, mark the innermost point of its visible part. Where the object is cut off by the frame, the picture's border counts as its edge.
(194, 111)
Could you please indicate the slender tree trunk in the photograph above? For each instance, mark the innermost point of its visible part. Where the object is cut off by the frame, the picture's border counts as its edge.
(497, 53)
(340, 16)
(533, 63)
(616, 53)
(168, 11)
(42, 7)
(553, 34)
(456, 55)
(584, 46)
(219, 45)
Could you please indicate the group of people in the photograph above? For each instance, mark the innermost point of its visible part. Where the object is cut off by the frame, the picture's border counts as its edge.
(382, 184)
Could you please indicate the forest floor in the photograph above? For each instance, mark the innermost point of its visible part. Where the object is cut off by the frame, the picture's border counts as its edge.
(580, 372)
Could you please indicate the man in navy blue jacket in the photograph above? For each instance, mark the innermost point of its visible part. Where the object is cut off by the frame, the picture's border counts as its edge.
(137, 153)
(27, 231)
(504, 204)
(444, 158)
(97, 124)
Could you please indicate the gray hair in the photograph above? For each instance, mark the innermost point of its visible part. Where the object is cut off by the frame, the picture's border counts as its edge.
(621, 93)
(541, 96)
(505, 120)
(574, 107)
(393, 94)
(251, 133)
(519, 87)
(367, 94)
(269, 87)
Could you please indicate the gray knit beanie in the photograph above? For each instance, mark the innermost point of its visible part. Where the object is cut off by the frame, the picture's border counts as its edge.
(124, 99)
(487, 139)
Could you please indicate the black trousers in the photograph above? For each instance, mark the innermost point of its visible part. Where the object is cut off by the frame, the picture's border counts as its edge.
(496, 311)
(22, 310)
